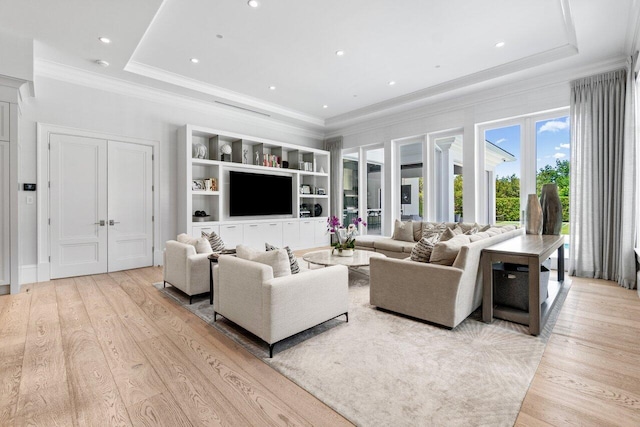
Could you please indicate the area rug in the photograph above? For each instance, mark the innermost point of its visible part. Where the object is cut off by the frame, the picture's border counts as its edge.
(381, 368)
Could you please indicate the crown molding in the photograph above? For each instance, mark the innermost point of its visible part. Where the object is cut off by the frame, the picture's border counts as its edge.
(81, 77)
(559, 79)
(456, 84)
(218, 92)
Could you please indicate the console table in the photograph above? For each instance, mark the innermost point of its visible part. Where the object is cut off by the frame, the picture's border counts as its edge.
(530, 250)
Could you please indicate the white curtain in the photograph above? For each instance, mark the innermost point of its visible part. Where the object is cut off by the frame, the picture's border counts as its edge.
(334, 147)
(603, 184)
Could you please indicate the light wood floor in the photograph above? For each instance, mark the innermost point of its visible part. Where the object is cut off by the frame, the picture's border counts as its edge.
(111, 350)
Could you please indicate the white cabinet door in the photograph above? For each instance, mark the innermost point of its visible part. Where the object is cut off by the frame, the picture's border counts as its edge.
(307, 234)
(231, 235)
(273, 233)
(130, 214)
(253, 236)
(5, 251)
(78, 174)
(4, 121)
(196, 231)
(321, 237)
(291, 234)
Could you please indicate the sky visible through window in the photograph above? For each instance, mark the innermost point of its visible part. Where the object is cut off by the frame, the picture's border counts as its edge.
(552, 143)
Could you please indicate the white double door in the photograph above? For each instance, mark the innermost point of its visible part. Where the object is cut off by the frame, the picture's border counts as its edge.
(101, 205)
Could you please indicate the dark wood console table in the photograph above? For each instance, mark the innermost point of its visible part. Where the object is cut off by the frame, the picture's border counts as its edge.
(530, 250)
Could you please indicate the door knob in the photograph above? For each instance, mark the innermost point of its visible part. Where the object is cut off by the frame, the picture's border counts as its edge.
(112, 222)
(101, 223)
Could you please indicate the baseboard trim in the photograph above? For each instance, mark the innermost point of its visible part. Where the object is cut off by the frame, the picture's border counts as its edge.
(5, 289)
(44, 274)
(28, 274)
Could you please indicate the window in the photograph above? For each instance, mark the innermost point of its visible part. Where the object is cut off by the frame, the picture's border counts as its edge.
(375, 183)
(502, 166)
(350, 206)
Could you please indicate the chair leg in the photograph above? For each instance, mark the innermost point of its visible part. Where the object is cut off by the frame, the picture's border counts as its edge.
(271, 350)
(215, 316)
(347, 316)
(190, 299)
(164, 285)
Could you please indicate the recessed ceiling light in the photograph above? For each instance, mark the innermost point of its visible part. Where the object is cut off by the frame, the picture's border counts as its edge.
(104, 40)
(437, 66)
(325, 106)
(219, 36)
(499, 44)
(253, 3)
(391, 83)
(102, 62)
(272, 88)
(194, 60)
(340, 52)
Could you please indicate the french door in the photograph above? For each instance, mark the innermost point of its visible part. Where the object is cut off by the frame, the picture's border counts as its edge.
(101, 208)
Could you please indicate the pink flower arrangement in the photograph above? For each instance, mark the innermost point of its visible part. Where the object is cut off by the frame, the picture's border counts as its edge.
(346, 236)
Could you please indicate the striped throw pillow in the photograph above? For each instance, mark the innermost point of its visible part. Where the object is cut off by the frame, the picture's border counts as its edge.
(217, 245)
(293, 261)
(421, 252)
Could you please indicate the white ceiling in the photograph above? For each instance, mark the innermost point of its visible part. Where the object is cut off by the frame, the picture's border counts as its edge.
(428, 47)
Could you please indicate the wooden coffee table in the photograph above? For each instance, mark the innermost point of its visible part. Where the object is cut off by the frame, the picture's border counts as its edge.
(360, 258)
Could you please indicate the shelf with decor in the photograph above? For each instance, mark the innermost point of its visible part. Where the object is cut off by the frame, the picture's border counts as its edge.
(219, 156)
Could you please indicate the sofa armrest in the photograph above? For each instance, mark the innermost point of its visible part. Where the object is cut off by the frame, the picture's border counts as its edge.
(197, 274)
(292, 304)
(422, 290)
(175, 263)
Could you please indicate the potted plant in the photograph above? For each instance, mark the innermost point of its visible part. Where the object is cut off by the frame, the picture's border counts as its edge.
(346, 236)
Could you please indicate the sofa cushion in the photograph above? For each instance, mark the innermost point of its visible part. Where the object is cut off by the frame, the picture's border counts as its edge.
(450, 233)
(431, 228)
(278, 260)
(479, 236)
(201, 244)
(217, 245)
(422, 250)
(368, 240)
(293, 262)
(467, 227)
(403, 231)
(393, 245)
(417, 230)
(445, 253)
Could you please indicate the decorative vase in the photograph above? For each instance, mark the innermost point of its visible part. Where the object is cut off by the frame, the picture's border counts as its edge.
(551, 209)
(533, 215)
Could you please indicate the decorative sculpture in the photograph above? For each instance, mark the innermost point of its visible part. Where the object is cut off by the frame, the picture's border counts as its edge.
(551, 209)
(533, 215)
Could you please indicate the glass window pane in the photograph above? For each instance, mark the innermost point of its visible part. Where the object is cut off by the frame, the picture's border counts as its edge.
(502, 166)
(411, 182)
(375, 166)
(350, 187)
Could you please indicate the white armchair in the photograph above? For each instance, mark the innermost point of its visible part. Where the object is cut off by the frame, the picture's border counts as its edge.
(185, 269)
(246, 293)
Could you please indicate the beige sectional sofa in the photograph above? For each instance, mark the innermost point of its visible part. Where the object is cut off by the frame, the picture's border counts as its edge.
(440, 294)
(391, 247)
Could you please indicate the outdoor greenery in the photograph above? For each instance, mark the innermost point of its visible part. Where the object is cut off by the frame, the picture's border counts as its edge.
(508, 192)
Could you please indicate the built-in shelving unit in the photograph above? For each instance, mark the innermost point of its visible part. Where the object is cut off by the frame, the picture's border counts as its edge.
(209, 154)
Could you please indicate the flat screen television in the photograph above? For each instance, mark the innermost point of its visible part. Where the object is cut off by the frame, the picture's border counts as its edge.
(259, 194)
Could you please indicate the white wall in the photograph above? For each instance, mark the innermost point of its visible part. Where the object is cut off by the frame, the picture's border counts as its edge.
(65, 104)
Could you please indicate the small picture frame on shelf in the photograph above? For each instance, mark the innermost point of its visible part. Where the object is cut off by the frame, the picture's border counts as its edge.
(198, 185)
(305, 189)
(214, 184)
(320, 191)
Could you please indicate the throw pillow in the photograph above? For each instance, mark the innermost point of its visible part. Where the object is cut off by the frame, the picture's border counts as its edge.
(201, 245)
(469, 226)
(278, 260)
(431, 228)
(478, 236)
(417, 230)
(482, 228)
(217, 245)
(450, 233)
(293, 262)
(445, 253)
(403, 231)
(421, 252)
